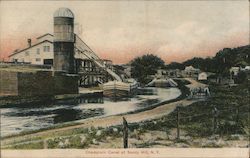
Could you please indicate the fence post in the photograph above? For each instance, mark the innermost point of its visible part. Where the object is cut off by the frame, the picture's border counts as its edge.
(237, 118)
(215, 115)
(237, 114)
(125, 133)
(178, 120)
(45, 145)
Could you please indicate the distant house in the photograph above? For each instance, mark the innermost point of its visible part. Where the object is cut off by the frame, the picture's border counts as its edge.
(160, 73)
(173, 73)
(190, 71)
(246, 68)
(234, 71)
(202, 76)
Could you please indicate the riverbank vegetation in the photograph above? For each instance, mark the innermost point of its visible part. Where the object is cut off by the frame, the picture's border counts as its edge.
(220, 63)
(197, 120)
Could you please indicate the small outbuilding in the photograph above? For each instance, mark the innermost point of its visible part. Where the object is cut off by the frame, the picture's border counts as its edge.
(234, 71)
(202, 76)
(190, 71)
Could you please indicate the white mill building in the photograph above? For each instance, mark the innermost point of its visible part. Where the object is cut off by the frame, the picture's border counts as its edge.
(39, 53)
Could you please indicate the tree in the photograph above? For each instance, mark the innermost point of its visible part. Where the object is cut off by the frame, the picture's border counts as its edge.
(145, 66)
(175, 65)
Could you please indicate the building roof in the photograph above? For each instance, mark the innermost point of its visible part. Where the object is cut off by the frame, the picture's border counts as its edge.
(190, 68)
(247, 67)
(44, 35)
(203, 73)
(234, 68)
(64, 12)
(30, 47)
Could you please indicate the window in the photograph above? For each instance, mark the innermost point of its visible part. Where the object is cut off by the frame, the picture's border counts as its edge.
(38, 59)
(26, 53)
(38, 51)
(46, 48)
(48, 61)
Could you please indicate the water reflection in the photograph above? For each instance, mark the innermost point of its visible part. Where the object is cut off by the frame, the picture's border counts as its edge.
(35, 116)
(147, 91)
(66, 115)
(91, 100)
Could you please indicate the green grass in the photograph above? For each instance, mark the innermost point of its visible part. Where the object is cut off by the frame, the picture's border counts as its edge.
(70, 132)
(73, 137)
(28, 139)
(34, 145)
(197, 119)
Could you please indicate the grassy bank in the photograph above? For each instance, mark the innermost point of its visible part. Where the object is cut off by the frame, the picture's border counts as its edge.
(197, 119)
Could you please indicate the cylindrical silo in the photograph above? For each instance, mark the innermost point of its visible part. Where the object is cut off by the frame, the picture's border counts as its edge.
(64, 40)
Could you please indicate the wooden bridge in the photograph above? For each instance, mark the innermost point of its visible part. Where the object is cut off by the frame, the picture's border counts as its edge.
(90, 67)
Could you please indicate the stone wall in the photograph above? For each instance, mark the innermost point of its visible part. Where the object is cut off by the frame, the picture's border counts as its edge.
(65, 84)
(8, 83)
(37, 83)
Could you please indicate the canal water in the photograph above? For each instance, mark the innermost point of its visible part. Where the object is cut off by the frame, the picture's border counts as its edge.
(15, 119)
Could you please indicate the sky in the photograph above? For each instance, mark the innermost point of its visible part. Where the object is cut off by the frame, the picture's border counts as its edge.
(122, 30)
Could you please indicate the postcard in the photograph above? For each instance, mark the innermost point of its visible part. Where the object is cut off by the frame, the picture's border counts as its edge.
(107, 78)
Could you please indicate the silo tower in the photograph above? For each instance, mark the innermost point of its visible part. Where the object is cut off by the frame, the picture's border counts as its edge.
(64, 40)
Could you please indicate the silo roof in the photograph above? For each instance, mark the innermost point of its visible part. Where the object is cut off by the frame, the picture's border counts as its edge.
(64, 12)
